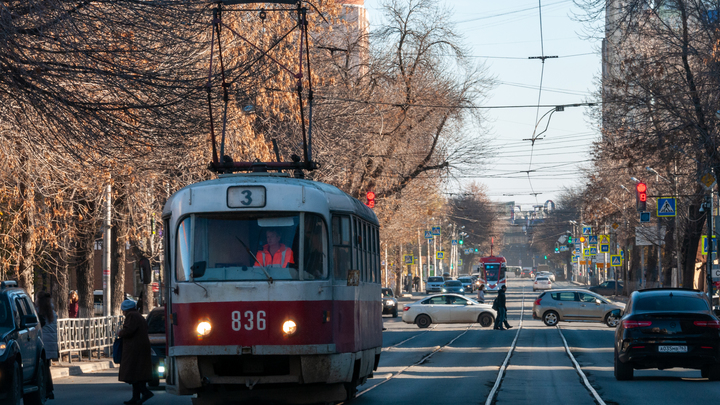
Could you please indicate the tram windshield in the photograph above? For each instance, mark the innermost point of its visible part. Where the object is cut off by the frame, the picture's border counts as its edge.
(231, 247)
(492, 272)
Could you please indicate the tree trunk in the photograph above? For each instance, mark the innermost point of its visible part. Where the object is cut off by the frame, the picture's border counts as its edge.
(85, 271)
(690, 245)
(26, 260)
(117, 266)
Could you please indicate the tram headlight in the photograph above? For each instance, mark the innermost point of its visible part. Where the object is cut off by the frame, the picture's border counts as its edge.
(203, 328)
(289, 327)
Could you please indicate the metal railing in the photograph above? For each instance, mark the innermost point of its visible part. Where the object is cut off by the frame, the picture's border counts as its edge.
(84, 336)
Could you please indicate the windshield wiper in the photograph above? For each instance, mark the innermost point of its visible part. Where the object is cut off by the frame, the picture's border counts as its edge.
(270, 279)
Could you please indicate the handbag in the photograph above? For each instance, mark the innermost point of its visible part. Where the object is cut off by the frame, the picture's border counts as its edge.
(495, 304)
(117, 350)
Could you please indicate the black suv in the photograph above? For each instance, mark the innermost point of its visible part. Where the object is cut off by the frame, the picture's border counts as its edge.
(22, 354)
(665, 328)
(390, 304)
(158, 347)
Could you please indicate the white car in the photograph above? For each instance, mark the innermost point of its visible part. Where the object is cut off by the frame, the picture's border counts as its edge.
(542, 282)
(448, 308)
(547, 274)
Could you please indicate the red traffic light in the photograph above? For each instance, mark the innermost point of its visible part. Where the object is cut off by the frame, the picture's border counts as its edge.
(641, 187)
(370, 199)
(643, 197)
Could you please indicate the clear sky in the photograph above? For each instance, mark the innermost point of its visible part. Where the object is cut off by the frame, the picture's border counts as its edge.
(504, 35)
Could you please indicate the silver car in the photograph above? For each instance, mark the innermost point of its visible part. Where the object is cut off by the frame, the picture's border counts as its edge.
(574, 305)
(434, 284)
(448, 308)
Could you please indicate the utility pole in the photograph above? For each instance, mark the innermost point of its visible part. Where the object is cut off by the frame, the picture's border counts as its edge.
(421, 271)
(107, 252)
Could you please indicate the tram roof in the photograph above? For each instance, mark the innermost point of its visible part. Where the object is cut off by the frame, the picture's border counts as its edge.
(338, 200)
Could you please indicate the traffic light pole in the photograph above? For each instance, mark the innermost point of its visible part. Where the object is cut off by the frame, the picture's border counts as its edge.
(709, 212)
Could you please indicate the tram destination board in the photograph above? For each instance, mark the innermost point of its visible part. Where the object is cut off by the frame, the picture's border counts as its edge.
(246, 197)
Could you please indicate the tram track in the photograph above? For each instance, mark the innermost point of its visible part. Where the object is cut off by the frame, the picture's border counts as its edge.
(417, 363)
(389, 348)
(501, 373)
(492, 397)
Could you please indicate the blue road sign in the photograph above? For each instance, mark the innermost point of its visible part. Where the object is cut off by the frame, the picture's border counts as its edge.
(587, 230)
(592, 240)
(578, 245)
(593, 250)
(604, 248)
(644, 216)
(428, 235)
(616, 260)
(666, 207)
(436, 230)
(705, 245)
(577, 251)
(454, 242)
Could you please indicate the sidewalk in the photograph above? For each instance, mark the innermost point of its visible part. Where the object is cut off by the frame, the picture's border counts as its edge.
(65, 369)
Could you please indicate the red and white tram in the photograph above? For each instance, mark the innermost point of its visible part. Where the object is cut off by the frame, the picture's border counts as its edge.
(272, 287)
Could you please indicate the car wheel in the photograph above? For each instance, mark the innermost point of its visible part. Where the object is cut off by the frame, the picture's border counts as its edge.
(423, 321)
(623, 372)
(394, 312)
(551, 318)
(485, 320)
(15, 395)
(713, 372)
(37, 397)
(611, 320)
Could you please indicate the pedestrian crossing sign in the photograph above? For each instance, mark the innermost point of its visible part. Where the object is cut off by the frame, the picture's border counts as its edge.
(409, 259)
(428, 235)
(604, 239)
(587, 230)
(666, 207)
(616, 260)
(592, 239)
(704, 249)
(440, 255)
(586, 252)
(593, 251)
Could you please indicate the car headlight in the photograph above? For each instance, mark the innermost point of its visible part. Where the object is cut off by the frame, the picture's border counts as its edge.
(203, 329)
(390, 302)
(3, 347)
(289, 327)
(443, 290)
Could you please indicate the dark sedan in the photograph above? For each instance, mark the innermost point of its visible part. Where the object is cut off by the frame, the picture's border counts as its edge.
(607, 288)
(453, 286)
(158, 347)
(666, 328)
(390, 304)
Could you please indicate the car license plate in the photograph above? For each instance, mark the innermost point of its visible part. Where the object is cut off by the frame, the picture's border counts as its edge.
(672, 349)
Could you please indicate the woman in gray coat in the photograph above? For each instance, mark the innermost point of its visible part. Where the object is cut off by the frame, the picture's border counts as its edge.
(48, 321)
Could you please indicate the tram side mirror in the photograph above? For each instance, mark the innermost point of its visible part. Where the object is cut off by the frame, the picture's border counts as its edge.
(198, 269)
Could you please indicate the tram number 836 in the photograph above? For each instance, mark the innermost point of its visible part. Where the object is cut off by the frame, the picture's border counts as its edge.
(248, 320)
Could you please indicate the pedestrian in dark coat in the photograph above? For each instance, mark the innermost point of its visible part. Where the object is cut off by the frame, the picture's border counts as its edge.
(48, 322)
(501, 308)
(135, 364)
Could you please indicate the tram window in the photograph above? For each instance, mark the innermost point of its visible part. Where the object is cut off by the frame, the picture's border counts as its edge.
(182, 266)
(357, 253)
(341, 245)
(248, 247)
(366, 251)
(315, 260)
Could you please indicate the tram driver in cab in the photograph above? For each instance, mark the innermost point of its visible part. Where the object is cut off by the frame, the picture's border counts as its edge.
(274, 253)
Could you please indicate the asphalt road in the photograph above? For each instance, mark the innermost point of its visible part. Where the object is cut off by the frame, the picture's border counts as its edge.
(467, 364)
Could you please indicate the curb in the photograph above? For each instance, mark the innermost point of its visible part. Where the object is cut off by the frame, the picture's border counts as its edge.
(63, 371)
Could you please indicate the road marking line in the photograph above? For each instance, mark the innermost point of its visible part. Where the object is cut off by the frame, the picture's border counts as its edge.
(490, 397)
(577, 367)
